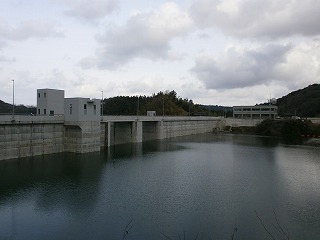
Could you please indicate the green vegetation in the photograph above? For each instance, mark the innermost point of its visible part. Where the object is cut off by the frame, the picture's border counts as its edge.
(303, 103)
(291, 130)
(6, 108)
(167, 103)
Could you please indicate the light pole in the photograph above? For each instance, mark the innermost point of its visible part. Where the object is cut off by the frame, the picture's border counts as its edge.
(138, 109)
(12, 99)
(189, 108)
(102, 104)
(162, 108)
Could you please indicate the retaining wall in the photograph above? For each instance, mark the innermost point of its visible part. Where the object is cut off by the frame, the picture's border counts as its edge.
(183, 128)
(28, 138)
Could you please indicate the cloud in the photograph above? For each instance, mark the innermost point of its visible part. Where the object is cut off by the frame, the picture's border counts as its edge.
(90, 10)
(301, 68)
(5, 59)
(259, 18)
(240, 67)
(39, 29)
(145, 35)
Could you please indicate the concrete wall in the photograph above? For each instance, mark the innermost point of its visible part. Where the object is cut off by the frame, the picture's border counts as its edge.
(184, 128)
(82, 137)
(35, 135)
(236, 122)
(19, 140)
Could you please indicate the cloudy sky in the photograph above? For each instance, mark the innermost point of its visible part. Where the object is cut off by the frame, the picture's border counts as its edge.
(219, 52)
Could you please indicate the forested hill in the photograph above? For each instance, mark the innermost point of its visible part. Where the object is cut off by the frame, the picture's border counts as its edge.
(167, 103)
(6, 108)
(303, 103)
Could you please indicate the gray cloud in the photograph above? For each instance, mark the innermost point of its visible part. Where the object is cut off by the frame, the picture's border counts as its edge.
(39, 29)
(145, 35)
(259, 18)
(238, 68)
(90, 10)
(4, 59)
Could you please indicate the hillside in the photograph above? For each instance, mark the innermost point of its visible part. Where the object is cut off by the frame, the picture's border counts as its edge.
(167, 103)
(303, 103)
(6, 108)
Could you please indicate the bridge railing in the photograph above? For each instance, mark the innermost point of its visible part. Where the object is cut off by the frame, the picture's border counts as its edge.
(111, 118)
(4, 119)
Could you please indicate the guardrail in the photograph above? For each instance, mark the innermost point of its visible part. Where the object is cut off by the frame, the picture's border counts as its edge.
(6, 119)
(111, 118)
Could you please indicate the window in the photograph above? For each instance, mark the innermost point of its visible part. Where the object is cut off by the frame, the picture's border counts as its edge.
(45, 95)
(51, 112)
(44, 111)
(70, 109)
(94, 109)
(85, 109)
(38, 95)
(39, 111)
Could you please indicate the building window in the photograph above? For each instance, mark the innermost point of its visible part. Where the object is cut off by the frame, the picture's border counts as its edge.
(39, 111)
(85, 109)
(51, 112)
(44, 111)
(70, 109)
(38, 95)
(45, 95)
(94, 109)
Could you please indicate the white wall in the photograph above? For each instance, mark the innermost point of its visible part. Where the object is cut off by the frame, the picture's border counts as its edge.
(74, 109)
(50, 100)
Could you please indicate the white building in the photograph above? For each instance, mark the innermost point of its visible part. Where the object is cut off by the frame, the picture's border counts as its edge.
(256, 112)
(82, 109)
(50, 102)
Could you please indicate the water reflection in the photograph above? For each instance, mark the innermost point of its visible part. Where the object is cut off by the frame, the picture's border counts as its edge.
(54, 181)
(207, 184)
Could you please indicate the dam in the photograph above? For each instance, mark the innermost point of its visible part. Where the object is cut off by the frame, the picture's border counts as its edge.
(26, 136)
(77, 125)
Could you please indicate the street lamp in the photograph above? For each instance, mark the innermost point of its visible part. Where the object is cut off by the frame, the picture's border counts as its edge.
(12, 99)
(163, 108)
(102, 104)
(138, 109)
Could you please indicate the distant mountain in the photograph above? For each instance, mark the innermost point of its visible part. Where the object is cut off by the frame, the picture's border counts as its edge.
(6, 108)
(303, 103)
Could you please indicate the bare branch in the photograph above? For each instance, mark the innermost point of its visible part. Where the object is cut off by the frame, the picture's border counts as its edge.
(127, 229)
(234, 232)
(262, 224)
(275, 217)
(166, 236)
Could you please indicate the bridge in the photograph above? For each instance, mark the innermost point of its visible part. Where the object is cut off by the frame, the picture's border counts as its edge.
(123, 129)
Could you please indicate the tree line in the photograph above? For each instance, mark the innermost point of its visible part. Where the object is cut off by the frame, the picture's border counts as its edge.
(166, 103)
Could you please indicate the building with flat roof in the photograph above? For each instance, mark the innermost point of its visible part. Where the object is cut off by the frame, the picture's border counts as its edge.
(82, 109)
(50, 101)
(256, 112)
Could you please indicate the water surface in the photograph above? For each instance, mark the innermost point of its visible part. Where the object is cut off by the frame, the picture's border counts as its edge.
(207, 185)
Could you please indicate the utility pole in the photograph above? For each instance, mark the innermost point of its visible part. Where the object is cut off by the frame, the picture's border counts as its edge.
(138, 109)
(163, 108)
(102, 104)
(12, 99)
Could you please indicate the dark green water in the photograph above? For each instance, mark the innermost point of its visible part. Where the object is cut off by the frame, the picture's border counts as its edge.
(205, 186)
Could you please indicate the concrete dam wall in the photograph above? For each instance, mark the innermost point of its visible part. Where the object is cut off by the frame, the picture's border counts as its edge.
(26, 136)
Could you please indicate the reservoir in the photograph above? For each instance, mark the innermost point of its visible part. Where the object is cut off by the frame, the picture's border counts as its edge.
(207, 186)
